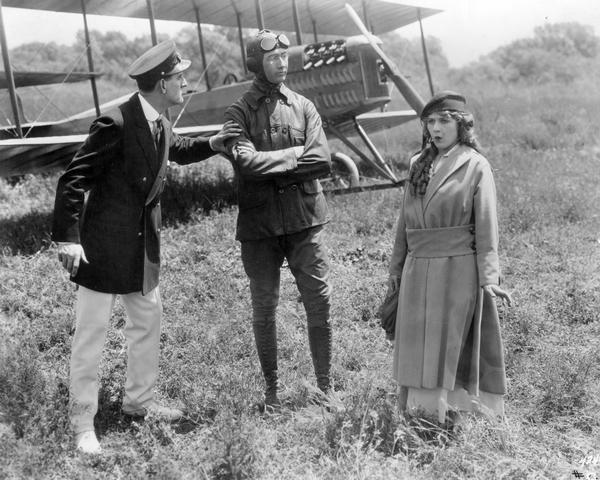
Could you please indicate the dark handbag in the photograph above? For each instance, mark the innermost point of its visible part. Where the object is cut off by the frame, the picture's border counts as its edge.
(387, 313)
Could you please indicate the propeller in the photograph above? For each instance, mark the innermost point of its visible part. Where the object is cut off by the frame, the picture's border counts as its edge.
(406, 89)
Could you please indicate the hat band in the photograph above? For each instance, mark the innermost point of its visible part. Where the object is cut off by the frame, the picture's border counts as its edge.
(169, 64)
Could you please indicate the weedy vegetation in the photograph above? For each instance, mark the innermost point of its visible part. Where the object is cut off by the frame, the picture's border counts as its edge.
(542, 145)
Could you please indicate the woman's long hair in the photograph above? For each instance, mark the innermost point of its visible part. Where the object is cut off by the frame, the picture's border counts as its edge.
(420, 172)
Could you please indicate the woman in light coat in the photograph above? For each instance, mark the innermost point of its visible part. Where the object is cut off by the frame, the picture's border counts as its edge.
(448, 349)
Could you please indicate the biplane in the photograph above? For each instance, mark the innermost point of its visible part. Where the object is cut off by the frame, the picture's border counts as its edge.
(348, 79)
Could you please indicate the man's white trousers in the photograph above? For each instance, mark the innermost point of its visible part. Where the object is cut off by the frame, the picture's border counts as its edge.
(142, 333)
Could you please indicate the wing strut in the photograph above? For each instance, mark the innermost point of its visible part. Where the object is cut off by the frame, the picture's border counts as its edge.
(425, 56)
(260, 19)
(241, 37)
(88, 46)
(313, 21)
(151, 18)
(366, 16)
(9, 76)
(238, 17)
(202, 52)
(297, 22)
(374, 151)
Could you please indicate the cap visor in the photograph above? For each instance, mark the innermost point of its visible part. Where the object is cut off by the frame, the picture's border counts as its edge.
(180, 67)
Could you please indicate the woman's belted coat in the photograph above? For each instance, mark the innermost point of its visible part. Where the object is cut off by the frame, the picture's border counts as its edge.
(447, 329)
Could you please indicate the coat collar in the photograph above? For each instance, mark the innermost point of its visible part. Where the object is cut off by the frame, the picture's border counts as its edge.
(449, 164)
(149, 111)
(260, 90)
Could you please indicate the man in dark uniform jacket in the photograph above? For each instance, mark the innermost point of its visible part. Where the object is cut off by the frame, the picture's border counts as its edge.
(110, 243)
(278, 159)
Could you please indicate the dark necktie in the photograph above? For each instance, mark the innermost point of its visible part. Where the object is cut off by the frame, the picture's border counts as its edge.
(157, 132)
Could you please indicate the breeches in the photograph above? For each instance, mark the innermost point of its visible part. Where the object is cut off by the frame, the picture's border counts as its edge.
(307, 259)
(142, 332)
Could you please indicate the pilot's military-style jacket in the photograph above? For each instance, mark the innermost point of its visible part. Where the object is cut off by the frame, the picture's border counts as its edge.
(124, 175)
(278, 189)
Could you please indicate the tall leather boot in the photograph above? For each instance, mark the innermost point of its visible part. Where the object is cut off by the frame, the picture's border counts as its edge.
(265, 335)
(319, 339)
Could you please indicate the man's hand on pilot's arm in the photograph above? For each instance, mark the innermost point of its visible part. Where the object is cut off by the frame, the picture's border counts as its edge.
(71, 255)
(229, 131)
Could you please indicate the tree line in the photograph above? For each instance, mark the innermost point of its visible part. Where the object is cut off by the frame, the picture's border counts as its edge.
(556, 52)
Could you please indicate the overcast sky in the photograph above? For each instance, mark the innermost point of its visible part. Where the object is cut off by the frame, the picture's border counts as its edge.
(467, 28)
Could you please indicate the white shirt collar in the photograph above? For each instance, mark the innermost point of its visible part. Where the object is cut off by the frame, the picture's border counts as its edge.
(149, 111)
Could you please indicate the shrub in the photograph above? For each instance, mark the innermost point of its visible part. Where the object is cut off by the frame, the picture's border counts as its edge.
(205, 186)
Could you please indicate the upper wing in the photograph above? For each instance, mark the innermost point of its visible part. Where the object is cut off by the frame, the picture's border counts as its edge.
(383, 15)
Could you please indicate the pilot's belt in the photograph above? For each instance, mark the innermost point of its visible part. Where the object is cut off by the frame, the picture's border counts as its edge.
(441, 242)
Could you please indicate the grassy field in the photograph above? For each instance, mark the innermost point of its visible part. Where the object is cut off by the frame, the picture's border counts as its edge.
(547, 176)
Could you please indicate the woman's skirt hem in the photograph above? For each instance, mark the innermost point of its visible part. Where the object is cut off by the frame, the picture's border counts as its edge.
(437, 401)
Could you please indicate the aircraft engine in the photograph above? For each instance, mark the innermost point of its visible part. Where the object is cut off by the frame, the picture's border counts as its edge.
(342, 77)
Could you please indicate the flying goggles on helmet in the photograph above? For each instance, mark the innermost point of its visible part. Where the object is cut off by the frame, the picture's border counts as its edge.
(270, 41)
